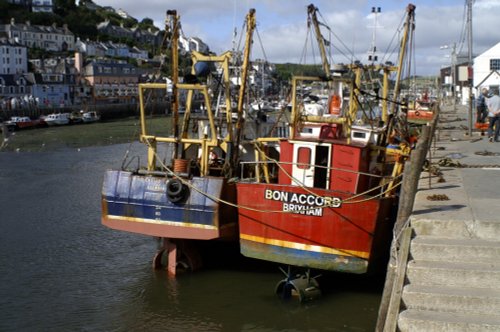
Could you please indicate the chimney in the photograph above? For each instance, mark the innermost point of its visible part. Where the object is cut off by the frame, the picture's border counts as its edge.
(12, 21)
(28, 23)
(78, 62)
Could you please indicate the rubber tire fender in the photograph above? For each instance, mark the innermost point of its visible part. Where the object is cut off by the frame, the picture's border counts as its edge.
(175, 190)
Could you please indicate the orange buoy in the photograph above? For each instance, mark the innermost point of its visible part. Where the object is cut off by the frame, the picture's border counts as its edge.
(335, 105)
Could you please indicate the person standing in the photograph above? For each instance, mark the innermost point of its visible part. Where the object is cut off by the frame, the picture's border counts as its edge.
(482, 109)
(493, 104)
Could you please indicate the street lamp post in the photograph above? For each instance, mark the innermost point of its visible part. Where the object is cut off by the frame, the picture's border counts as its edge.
(469, 64)
(452, 70)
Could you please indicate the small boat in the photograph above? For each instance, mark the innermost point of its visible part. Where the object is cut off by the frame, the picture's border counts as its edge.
(91, 116)
(21, 122)
(421, 111)
(57, 119)
(75, 118)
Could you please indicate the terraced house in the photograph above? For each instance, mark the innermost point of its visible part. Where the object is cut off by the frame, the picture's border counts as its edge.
(49, 38)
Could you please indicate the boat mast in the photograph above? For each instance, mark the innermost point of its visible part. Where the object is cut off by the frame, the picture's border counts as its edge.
(173, 29)
(409, 26)
(251, 24)
(313, 18)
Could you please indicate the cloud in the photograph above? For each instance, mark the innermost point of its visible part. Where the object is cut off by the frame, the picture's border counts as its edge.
(282, 26)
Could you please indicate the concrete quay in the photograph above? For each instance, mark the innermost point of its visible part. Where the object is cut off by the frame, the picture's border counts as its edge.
(452, 280)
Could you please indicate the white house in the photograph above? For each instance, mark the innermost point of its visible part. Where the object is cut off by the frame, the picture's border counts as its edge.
(487, 68)
(189, 44)
(51, 38)
(42, 6)
(90, 48)
(13, 58)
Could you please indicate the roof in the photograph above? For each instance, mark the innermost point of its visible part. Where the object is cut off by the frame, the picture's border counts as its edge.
(13, 79)
(38, 28)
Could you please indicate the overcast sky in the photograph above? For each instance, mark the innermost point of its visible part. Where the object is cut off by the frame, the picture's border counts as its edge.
(282, 26)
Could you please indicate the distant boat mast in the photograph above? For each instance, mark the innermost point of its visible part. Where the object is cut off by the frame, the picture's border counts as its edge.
(372, 54)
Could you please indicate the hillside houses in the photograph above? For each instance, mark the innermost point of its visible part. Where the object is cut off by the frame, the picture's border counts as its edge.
(110, 49)
(37, 6)
(141, 36)
(70, 71)
(49, 38)
(42, 6)
(52, 90)
(111, 81)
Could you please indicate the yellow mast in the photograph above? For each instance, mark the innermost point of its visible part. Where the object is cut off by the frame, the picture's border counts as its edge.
(251, 24)
(409, 25)
(174, 30)
(313, 18)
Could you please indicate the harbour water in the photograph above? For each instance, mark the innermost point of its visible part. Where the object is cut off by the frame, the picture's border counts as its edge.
(61, 270)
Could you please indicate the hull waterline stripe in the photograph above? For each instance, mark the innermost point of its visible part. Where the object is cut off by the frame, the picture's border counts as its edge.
(305, 247)
(162, 222)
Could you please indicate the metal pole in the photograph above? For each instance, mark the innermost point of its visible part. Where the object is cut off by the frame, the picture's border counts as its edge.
(454, 75)
(470, 65)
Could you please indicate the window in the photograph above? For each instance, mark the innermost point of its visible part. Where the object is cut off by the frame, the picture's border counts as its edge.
(303, 158)
(494, 64)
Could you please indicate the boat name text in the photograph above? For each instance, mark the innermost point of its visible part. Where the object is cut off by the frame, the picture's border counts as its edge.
(307, 204)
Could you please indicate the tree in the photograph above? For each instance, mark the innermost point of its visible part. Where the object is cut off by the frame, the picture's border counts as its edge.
(147, 23)
(64, 7)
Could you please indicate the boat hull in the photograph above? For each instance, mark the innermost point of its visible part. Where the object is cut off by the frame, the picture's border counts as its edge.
(141, 204)
(420, 116)
(302, 231)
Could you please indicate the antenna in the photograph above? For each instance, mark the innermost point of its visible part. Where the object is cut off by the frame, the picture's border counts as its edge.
(235, 31)
(372, 54)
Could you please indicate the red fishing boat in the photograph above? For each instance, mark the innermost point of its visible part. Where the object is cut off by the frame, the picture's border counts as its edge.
(324, 198)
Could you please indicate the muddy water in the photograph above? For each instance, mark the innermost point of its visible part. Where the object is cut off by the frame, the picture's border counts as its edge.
(61, 270)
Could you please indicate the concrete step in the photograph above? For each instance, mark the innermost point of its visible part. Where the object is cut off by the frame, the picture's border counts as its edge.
(430, 321)
(454, 250)
(456, 228)
(432, 273)
(452, 299)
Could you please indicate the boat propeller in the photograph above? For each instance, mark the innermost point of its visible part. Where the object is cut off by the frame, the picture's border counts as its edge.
(299, 285)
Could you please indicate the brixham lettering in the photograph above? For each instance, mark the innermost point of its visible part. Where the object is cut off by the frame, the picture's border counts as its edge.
(302, 209)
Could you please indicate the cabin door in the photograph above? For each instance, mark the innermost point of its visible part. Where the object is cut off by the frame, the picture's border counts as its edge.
(310, 165)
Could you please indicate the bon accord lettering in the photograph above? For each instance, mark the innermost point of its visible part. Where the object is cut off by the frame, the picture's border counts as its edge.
(302, 203)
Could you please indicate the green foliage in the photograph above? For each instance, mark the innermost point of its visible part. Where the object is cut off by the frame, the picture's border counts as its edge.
(284, 72)
(64, 7)
(147, 23)
(45, 19)
(38, 53)
(129, 22)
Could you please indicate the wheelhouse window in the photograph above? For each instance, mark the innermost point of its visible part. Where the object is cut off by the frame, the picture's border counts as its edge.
(303, 158)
